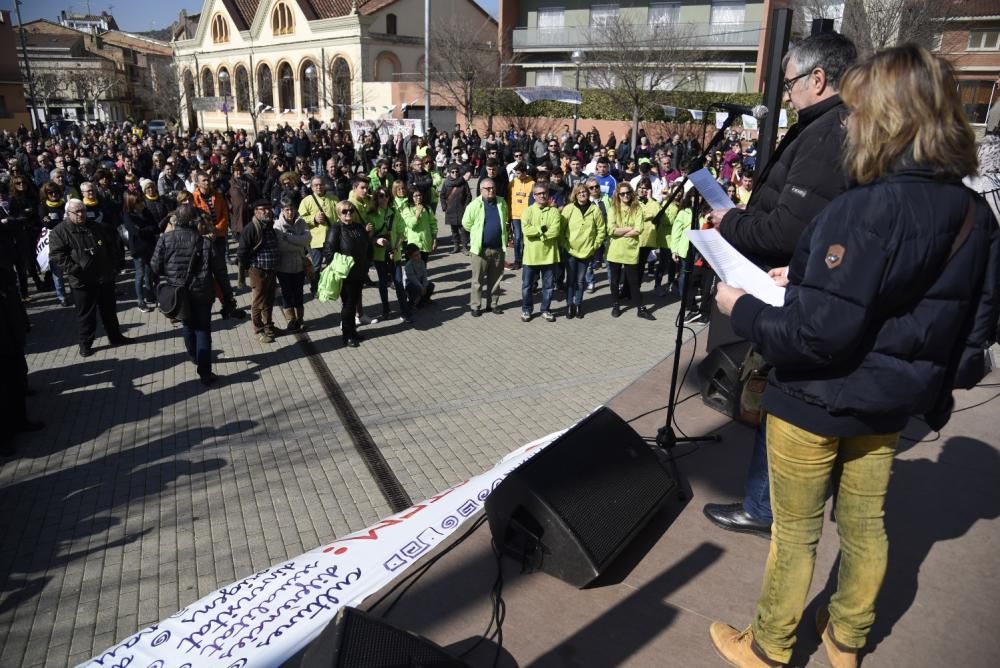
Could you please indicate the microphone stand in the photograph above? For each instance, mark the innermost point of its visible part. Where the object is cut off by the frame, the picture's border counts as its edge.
(665, 436)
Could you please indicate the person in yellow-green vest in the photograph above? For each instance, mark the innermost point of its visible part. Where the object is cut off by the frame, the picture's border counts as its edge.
(366, 213)
(486, 219)
(666, 266)
(625, 225)
(541, 225)
(319, 211)
(413, 223)
(652, 220)
(584, 230)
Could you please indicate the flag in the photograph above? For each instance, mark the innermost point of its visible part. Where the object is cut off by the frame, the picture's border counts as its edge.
(668, 111)
(696, 114)
(720, 118)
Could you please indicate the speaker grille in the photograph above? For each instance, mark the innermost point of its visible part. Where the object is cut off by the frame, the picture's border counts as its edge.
(601, 480)
(371, 643)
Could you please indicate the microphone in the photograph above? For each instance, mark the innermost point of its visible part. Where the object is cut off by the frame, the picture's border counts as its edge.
(759, 111)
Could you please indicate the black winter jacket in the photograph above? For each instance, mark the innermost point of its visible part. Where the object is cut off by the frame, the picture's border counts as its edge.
(353, 240)
(455, 196)
(142, 232)
(805, 173)
(173, 254)
(876, 327)
(87, 254)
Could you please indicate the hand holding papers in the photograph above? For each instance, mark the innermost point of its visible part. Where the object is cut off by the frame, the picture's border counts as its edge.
(710, 189)
(735, 269)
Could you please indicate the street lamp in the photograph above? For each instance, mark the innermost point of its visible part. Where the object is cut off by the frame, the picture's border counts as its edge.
(577, 58)
(223, 79)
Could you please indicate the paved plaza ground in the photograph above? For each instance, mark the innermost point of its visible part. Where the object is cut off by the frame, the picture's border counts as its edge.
(147, 491)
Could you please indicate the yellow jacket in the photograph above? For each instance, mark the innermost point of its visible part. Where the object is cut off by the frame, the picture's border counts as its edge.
(308, 209)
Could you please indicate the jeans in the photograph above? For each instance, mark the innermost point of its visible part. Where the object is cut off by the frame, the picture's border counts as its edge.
(197, 333)
(414, 293)
(528, 275)
(576, 279)
(665, 266)
(803, 466)
(220, 248)
(316, 258)
(757, 489)
(57, 281)
(143, 281)
(401, 297)
(518, 241)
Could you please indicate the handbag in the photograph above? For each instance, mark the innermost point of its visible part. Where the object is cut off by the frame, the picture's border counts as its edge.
(174, 300)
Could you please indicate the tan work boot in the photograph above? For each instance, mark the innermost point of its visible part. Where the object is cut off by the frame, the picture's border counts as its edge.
(738, 647)
(839, 655)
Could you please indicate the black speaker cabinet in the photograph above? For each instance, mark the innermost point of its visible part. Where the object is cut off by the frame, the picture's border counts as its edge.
(719, 374)
(355, 639)
(572, 508)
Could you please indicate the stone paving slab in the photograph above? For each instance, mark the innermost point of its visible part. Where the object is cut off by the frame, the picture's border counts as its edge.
(147, 491)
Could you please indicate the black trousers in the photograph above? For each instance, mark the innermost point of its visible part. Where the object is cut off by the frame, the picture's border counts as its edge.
(13, 394)
(91, 300)
(632, 277)
(350, 297)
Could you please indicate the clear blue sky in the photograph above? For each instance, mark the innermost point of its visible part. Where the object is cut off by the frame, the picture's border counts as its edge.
(133, 15)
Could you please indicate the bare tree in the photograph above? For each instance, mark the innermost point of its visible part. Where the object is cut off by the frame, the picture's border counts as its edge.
(634, 63)
(92, 86)
(167, 99)
(48, 86)
(462, 67)
(878, 24)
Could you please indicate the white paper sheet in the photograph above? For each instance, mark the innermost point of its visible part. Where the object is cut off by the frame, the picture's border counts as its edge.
(710, 189)
(735, 269)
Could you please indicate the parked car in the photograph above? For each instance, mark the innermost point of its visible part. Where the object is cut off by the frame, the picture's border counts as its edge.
(156, 127)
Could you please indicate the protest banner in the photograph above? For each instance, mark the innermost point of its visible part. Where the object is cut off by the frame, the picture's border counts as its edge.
(42, 250)
(388, 127)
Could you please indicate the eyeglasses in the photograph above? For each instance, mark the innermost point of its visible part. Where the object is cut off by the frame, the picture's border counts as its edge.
(593, 187)
(625, 193)
(541, 194)
(788, 84)
(487, 188)
(346, 212)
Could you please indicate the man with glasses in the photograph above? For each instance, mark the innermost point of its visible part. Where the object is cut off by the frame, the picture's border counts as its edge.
(485, 219)
(259, 255)
(318, 210)
(518, 158)
(88, 258)
(804, 174)
(541, 224)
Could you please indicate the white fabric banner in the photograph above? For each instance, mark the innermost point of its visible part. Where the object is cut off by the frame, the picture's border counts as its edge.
(696, 114)
(386, 127)
(720, 118)
(266, 618)
(749, 122)
(42, 250)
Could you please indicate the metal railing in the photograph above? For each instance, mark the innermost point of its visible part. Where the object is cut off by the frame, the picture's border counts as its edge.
(694, 35)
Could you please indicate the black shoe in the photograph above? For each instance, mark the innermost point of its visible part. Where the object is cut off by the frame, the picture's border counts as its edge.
(208, 379)
(352, 343)
(732, 517)
(476, 312)
(570, 312)
(579, 311)
(86, 350)
(358, 337)
(644, 314)
(234, 313)
(615, 310)
(119, 340)
(497, 310)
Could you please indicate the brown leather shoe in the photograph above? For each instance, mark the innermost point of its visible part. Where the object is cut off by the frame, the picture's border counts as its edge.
(839, 655)
(738, 647)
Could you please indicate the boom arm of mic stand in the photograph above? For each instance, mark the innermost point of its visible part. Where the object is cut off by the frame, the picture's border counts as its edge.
(665, 436)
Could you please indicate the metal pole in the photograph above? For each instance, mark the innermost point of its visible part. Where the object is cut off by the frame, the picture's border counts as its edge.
(197, 88)
(253, 95)
(27, 67)
(576, 110)
(427, 67)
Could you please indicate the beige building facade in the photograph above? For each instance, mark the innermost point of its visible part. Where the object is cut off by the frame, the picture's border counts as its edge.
(286, 61)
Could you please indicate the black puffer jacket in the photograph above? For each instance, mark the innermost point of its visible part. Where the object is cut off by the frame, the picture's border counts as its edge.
(877, 324)
(353, 240)
(87, 254)
(173, 255)
(805, 173)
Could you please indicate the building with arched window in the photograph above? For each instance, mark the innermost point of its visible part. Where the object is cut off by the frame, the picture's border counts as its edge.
(290, 61)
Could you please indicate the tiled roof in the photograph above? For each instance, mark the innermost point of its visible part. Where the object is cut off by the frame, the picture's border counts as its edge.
(328, 9)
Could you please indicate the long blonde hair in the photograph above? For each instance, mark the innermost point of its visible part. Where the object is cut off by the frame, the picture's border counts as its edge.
(905, 99)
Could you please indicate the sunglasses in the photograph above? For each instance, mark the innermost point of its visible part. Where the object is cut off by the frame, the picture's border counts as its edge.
(593, 187)
(624, 193)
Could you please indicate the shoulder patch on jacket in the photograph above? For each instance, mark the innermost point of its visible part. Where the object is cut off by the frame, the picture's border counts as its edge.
(834, 256)
(801, 192)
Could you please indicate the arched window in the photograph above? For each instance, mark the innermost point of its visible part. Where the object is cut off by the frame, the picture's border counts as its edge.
(386, 66)
(242, 89)
(390, 24)
(265, 86)
(225, 83)
(282, 21)
(207, 84)
(309, 82)
(220, 29)
(286, 87)
(341, 94)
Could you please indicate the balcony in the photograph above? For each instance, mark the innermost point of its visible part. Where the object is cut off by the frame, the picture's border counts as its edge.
(696, 35)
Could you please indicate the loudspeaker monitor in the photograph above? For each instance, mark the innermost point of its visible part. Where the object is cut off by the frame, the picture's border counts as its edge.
(573, 507)
(355, 639)
(719, 374)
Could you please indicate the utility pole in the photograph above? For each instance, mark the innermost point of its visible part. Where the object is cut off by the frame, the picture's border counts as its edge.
(27, 67)
(427, 66)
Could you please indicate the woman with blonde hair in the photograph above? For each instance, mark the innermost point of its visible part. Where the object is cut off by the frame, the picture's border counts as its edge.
(891, 300)
(584, 230)
(625, 225)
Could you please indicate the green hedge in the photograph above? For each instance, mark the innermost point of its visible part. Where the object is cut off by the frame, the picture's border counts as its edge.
(599, 105)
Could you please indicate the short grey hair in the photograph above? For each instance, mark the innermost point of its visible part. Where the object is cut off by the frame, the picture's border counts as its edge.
(830, 51)
(76, 204)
